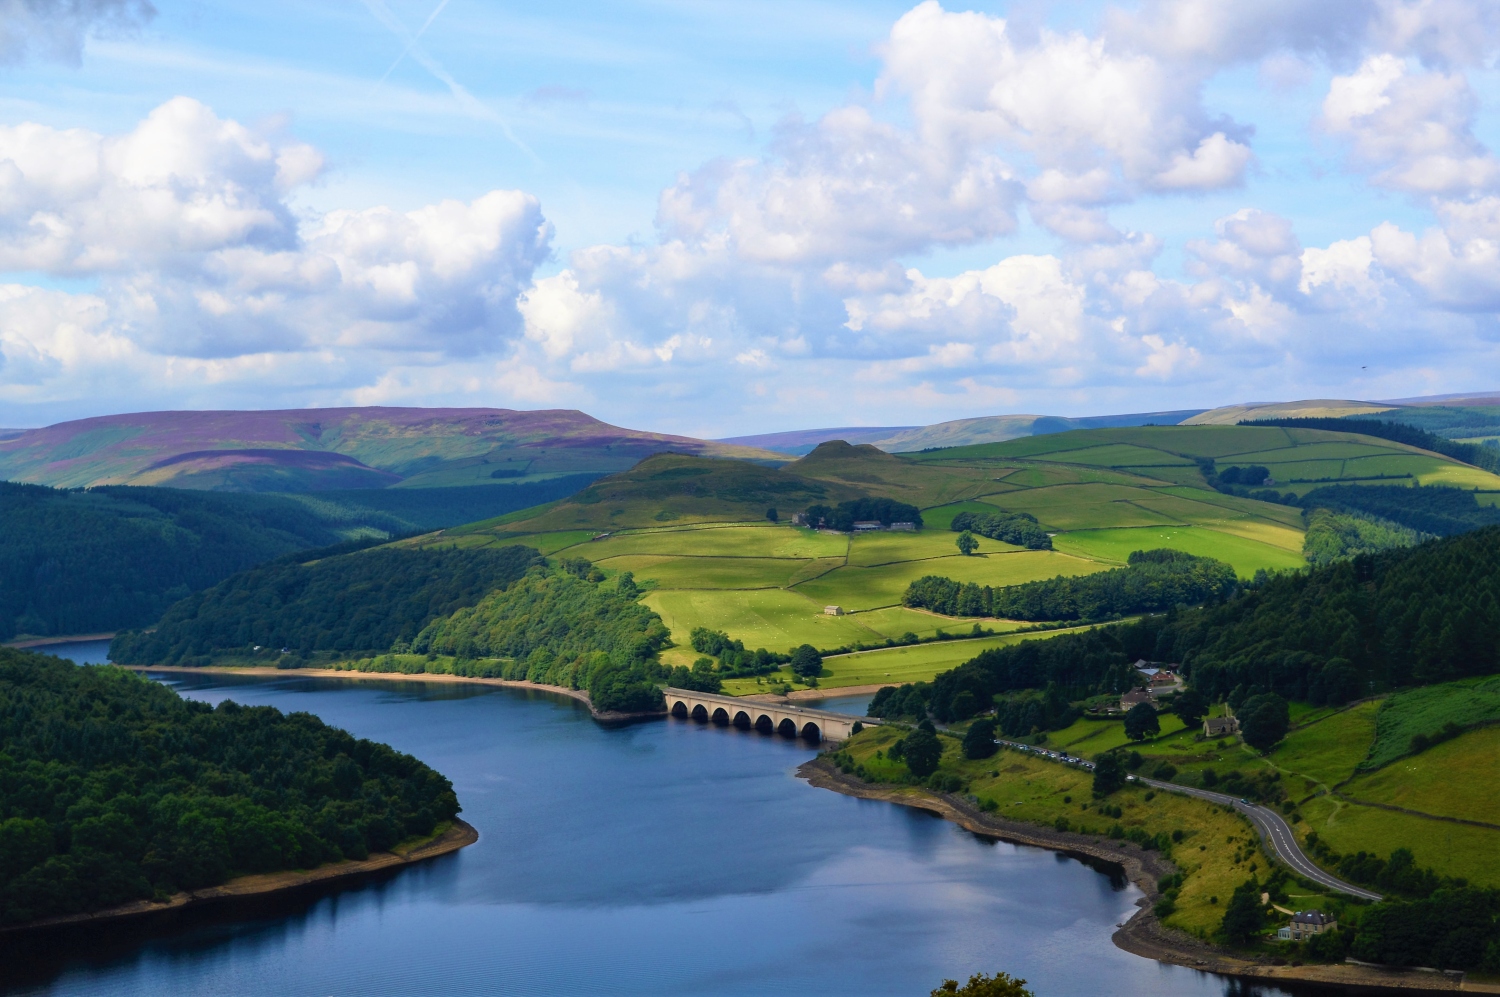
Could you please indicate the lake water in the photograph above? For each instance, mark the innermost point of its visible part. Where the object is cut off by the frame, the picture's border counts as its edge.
(665, 858)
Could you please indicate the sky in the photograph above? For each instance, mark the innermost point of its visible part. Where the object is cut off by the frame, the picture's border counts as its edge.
(731, 218)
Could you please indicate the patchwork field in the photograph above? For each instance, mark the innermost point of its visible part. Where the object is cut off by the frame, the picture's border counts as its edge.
(698, 533)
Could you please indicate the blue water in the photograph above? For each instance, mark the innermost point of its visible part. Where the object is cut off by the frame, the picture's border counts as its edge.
(665, 858)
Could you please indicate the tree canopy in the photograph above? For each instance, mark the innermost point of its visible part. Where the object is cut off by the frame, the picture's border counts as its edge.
(843, 516)
(1153, 580)
(113, 788)
(360, 602)
(1018, 528)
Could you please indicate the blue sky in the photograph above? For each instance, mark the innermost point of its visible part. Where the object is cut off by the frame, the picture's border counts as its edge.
(729, 218)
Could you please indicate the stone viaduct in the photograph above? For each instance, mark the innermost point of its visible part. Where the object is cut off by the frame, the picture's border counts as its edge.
(747, 714)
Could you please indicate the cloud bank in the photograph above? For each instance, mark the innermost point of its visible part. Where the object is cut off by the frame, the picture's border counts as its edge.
(789, 288)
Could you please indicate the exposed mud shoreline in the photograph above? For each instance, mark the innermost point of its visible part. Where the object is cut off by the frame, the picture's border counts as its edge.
(603, 716)
(1143, 934)
(458, 836)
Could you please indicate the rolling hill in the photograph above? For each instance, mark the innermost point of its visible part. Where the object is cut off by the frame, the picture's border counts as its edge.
(696, 531)
(319, 449)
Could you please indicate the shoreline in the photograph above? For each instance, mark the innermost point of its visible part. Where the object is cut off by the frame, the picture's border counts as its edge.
(1142, 935)
(30, 642)
(459, 835)
(262, 671)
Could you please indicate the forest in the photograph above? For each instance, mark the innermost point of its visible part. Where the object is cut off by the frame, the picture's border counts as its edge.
(1435, 510)
(1019, 528)
(1336, 536)
(843, 516)
(113, 788)
(1413, 616)
(76, 561)
(1151, 581)
(359, 602)
(556, 628)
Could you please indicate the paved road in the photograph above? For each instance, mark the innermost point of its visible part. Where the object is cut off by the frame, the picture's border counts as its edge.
(1273, 829)
(1277, 834)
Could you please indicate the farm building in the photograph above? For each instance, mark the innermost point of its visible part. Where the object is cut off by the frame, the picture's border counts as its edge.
(1220, 726)
(833, 610)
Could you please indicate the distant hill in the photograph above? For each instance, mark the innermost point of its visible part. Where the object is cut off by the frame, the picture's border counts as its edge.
(998, 428)
(298, 450)
(1316, 408)
(803, 441)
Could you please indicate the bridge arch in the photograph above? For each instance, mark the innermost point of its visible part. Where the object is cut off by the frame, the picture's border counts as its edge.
(811, 732)
(700, 714)
(720, 717)
(742, 720)
(679, 709)
(787, 727)
(764, 724)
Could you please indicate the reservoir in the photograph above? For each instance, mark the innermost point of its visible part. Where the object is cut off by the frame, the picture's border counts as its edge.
(665, 858)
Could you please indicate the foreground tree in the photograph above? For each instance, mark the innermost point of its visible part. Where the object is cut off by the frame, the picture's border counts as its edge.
(1109, 773)
(1191, 707)
(1243, 918)
(980, 985)
(922, 751)
(966, 543)
(806, 661)
(1264, 720)
(979, 740)
(1141, 722)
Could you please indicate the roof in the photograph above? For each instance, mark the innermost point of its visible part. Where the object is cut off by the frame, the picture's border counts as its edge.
(1311, 917)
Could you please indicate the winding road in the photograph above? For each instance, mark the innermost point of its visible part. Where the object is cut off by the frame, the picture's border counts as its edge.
(1277, 834)
(1275, 831)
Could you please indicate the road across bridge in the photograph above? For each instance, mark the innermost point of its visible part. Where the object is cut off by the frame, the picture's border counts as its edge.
(746, 714)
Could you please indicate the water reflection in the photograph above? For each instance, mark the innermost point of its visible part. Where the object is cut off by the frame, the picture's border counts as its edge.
(666, 858)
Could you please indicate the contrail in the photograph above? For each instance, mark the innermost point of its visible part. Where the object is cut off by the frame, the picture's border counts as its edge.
(420, 32)
(473, 105)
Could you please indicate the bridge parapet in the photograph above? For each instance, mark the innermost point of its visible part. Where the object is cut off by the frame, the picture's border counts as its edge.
(748, 714)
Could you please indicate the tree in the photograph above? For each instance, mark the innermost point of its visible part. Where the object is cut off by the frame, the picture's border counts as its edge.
(964, 705)
(966, 543)
(979, 740)
(980, 985)
(1141, 722)
(772, 515)
(1109, 774)
(1264, 720)
(1243, 918)
(1191, 707)
(806, 661)
(923, 751)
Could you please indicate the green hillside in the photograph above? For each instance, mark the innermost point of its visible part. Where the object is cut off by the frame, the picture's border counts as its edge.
(78, 561)
(695, 531)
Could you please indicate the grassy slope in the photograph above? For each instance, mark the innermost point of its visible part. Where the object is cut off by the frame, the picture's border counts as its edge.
(696, 529)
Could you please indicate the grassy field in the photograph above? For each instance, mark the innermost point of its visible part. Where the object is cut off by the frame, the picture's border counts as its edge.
(1451, 849)
(1455, 778)
(1217, 849)
(1426, 710)
(892, 666)
(870, 588)
(1247, 556)
(695, 530)
(1329, 750)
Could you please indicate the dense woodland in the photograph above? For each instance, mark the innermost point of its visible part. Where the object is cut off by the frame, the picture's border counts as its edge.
(1404, 617)
(361, 602)
(113, 788)
(1435, 510)
(556, 628)
(1019, 528)
(843, 516)
(1337, 536)
(1153, 580)
(88, 560)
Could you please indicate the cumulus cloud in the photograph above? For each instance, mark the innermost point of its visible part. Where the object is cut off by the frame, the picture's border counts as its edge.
(800, 280)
